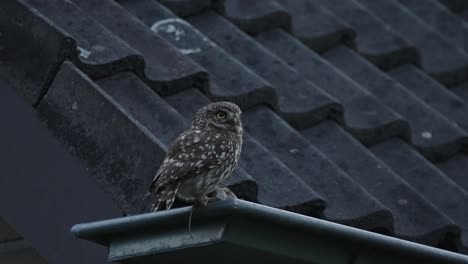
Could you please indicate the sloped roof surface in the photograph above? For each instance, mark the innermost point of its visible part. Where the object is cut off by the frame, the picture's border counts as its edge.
(354, 111)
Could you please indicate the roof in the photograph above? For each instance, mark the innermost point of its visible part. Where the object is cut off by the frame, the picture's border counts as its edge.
(354, 111)
(225, 229)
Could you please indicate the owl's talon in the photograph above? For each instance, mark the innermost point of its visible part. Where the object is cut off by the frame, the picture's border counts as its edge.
(201, 202)
(229, 194)
(214, 199)
(221, 194)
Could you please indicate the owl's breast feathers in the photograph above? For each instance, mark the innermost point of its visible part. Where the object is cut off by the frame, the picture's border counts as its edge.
(203, 153)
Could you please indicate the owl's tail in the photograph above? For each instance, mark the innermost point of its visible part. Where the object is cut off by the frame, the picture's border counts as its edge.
(167, 194)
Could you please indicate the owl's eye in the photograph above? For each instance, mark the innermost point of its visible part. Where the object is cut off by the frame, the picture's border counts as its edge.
(220, 115)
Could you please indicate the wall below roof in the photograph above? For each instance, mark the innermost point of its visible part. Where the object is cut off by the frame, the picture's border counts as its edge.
(43, 191)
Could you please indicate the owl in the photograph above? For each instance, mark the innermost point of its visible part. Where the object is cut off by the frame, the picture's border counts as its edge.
(200, 158)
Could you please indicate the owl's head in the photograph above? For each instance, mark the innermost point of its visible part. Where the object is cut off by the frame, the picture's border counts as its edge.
(221, 115)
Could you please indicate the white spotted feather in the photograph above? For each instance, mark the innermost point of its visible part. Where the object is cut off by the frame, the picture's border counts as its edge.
(200, 158)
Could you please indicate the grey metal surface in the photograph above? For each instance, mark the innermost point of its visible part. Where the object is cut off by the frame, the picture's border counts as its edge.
(244, 231)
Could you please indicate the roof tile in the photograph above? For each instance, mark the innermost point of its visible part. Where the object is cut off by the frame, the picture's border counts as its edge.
(433, 93)
(456, 169)
(452, 27)
(415, 218)
(254, 16)
(315, 169)
(98, 52)
(230, 79)
(327, 30)
(375, 40)
(364, 115)
(455, 5)
(438, 56)
(182, 7)
(461, 91)
(300, 102)
(435, 186)
(166, 69)
(120, 155)
(433, 134)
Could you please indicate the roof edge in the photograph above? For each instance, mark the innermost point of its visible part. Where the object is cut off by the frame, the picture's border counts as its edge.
(357, 240)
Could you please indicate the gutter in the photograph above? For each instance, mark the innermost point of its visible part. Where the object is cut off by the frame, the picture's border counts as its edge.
(237, 230)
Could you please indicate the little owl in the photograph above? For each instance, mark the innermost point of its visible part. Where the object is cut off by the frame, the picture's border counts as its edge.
(200, 158)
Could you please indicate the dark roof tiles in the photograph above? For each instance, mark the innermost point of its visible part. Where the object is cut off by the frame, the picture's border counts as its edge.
(438, 56)
(414, 217)
(288, 191)
(230, 79)
(461, 91)
(315, 169)
(254, 16)
(434, 185)
(166, 68)
(183, 7)
(120, 154)
(376, 41)
(364, 115)
(433, 93)
(455, 5)
(327, 30)
(98, 50)
(300, 102)
(441, 19)
(30, 68)
(144, 105)
(342, 121)
(456, 169)
(464, 15)
(431, 132)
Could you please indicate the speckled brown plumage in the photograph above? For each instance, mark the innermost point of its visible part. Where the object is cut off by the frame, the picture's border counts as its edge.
(200, 158)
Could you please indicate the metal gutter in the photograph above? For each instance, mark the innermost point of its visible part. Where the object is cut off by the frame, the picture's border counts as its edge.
(239, 231)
